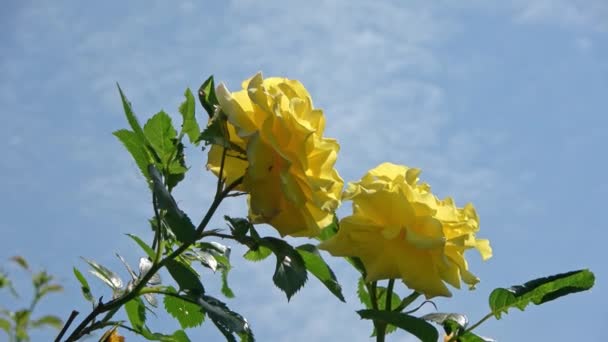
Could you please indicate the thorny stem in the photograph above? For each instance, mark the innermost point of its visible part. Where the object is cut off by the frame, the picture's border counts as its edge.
(118, 302)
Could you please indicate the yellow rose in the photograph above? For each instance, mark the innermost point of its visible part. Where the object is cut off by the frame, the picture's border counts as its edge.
(399, 229)
(289, 165)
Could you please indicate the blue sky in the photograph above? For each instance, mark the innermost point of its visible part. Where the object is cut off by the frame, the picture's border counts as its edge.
(500, 103)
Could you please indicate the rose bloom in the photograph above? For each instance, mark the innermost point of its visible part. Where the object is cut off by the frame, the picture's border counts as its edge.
(288, 168)
(399, 229)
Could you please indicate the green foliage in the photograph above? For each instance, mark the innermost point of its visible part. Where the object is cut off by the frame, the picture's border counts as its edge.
(258, 254)
(206, 95)
(17, 323)
(189, 125)
(330, 230)
(318, 267)
(176, 219)
(136, 148)
(136, 312)
(539, 291)
(48, 320)
(149, 251)
(185, 276)
(182, 308)
(239, 227)
(415, 326)
(84, 286)
(227, 321)
(290, 272)
(104, 274)
(131, 118)
(161, 135)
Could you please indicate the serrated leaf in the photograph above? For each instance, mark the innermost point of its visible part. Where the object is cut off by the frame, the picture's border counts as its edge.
(381, 295)
(188, 314)
(49, 320)
(84, 286)
(258, 254)
(222, 316)
(103, 273)
(187, 109)
(136, 312)
(318, 267)
(161, 136)
(290, 272)
(363, 294)
(176, 219)
(206, 95)
(136, 148)
(415, 326)
(131, 118)
(177, 168)
(539, 291)
(149, 251)
(215, 133)
(185, 277)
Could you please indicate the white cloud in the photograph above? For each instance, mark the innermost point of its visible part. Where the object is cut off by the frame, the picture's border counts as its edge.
(583, 14)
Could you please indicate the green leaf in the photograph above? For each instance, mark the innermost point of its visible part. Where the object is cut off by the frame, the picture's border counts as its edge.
(226, 320)
(363, 294)
(5, 325)
(136, 312)
(206, 95)
(131, 118)
(215, 133)
(329, 231)
(290, 272)
(44, 290)
(21, 319)
(226, 290)
(19, 260)
(318, 267)
(189, 126)
(136, 148)
(381, 295)
(149, 251)
(188, 314)
(539, 291)
(177, 168)
(177, 336)
(358, 265)
(470, 337)
(257, 254)
(185, 277)
(49, 320)
(415, 326)
(103, 273)
(84, 286)
(175, 218)
(238, 225)
(161, 136)
(180, 336)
